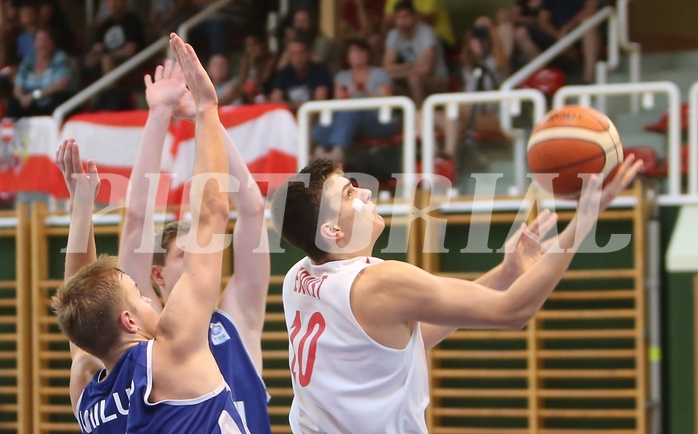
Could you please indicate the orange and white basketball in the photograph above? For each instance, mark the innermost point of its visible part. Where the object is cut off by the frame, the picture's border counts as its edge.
(569, 141)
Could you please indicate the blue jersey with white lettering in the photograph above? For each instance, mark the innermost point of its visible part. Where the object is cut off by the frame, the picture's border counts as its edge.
(249, 391)
(119, 404)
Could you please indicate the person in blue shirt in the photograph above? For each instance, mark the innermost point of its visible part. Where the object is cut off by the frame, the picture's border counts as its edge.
(43, 79)
(236, 327)
(158, 373)
(301, 80)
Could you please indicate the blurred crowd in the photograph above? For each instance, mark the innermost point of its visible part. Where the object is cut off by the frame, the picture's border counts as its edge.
(381, 48)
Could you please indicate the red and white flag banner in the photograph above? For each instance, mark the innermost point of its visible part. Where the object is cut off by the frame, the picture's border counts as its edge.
(265, 136)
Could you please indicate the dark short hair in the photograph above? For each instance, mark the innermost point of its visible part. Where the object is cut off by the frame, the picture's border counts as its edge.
(404, 5)
(301, 37)
(295, 207)
(358, 43)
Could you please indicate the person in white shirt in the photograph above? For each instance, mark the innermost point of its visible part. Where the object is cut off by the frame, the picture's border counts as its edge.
(359, 326)
(414, 54)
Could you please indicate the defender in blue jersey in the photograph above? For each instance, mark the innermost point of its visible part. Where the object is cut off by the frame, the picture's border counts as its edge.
(159, 374)
(236, 327)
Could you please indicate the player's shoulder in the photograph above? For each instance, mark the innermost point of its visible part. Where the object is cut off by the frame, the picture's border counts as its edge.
(387, 275)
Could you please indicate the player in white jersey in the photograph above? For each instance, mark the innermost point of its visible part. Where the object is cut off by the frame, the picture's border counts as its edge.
(172, 371)
(358, 326)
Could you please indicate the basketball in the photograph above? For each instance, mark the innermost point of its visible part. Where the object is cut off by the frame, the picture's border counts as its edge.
(570, 141)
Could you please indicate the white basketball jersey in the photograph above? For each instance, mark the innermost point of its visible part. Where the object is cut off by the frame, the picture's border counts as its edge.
(344, 381)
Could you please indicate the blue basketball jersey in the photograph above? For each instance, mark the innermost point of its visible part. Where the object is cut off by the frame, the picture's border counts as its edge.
(119, 404)
(249, 391)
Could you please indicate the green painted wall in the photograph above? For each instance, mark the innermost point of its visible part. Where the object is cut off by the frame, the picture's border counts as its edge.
(677, 307)
(677, 340)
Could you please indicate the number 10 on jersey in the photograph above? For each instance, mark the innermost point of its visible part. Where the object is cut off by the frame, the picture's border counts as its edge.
(304, 339)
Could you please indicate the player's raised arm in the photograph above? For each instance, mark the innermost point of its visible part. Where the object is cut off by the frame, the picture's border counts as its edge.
(415, 295)
(245, 295)
(163, 91)
(183, 366)
(81, 246)
(522, 250)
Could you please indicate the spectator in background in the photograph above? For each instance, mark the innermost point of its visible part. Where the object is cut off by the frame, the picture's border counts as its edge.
(323, 48)
(432, 12)
(362, 19)
(523, 14)
(118, 38)
(51, 16)
(165, 15)
(218, 29)
(484, 66)
(218, 69)
(361, 80)
(414, 55)
(9, 30)
(42, 80)
(29, 23)
(302, 79)
(139, 7)
(256, 70)
(556, 19)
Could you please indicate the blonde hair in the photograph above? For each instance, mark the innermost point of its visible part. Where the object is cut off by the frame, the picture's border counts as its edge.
(88, 306)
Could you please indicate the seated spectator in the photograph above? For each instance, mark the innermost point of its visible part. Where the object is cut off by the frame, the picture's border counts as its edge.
(256, 71)
(414, 55)
(323, 48)
(139, 7)
(523, 14)
(29, 23)
(51, 16)
(483, 69)
(9, 60)
(362, 19)
(214, 34)
(42, 80)
(302, 79)
(218, 69)
(361, 80)
(165, 16)
(556, 19)
(431, 12)
(119, 37)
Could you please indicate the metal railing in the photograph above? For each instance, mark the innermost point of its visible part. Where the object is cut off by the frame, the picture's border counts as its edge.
(384, 105)
(451, 101)
(107, 80)
(647, 91)
(633, 48)
(693, 140)
(617, 38)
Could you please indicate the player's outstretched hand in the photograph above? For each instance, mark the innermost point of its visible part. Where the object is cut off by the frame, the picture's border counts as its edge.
(80, 183)
(185, 107)
(165, 87)
(624, 176)
(196, 77)
(527, 245)
(595, 198)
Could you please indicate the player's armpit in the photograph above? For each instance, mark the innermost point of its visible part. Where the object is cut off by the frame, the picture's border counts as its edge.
(397, 292)
(82, 368)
